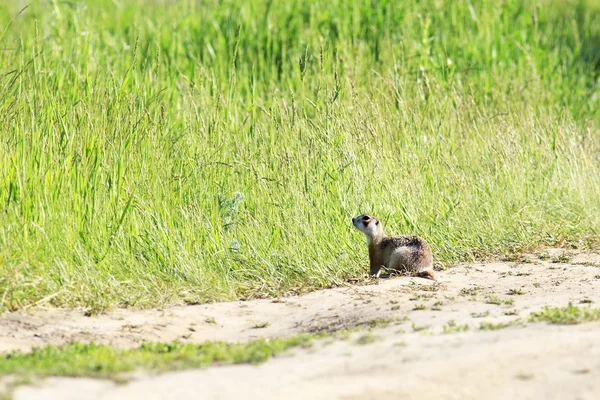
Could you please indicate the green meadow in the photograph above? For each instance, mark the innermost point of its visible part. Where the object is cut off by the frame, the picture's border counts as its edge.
(157, 152)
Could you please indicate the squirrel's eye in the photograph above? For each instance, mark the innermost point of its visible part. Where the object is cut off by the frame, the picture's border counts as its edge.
(365, 218)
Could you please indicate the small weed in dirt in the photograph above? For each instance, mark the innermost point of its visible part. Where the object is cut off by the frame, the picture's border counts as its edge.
(378, 323)
(544, 256)
(419, 328)
(517, 258)
(563, 258)
(470, 291)
(537, 285)
(419, 307)
(513, 292)
(420, 296)
(261, 325)
(566, 315)
(210, 320)
(395, 308)
(437, 306)
(498, 301)
(367, 338)
(523, 274)
(130, 328)
(427, 288)
(490, 326)
(586, 301)
(278, 301)
(480, 315)
(382, 322)
(452, 327)
(587, 264)
(94, 310)
(524, 376)
(511, 312)
(597, 276)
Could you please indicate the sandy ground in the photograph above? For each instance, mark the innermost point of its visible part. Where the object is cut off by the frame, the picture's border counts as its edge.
(408, 354)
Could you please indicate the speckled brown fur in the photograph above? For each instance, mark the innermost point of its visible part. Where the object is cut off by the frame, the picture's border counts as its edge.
(404, 253)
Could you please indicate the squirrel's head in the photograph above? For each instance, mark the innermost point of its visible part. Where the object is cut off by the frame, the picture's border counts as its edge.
(368, 225)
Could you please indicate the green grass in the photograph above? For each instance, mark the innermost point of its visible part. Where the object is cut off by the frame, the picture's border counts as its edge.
(217, 150)
(563, 258)
(105, 361)
(566, 315)
(493, 326)
(367, 338)
(473, 291)
(452, 327)
(498, 301)
(381, 322)
(480, 314)
(417, 328)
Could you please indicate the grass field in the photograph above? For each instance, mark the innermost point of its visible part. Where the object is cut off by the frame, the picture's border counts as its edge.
(154, 152)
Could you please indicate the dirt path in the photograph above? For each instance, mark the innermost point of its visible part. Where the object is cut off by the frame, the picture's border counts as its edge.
(409, 356)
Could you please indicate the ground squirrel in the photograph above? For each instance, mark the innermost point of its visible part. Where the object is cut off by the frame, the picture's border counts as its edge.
(405, 253)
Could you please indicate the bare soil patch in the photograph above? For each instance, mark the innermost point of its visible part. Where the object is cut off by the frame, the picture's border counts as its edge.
(405, 353)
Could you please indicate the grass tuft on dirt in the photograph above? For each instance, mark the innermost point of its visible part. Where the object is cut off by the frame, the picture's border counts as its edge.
(103, 361)
(568, 315)
(216, 150)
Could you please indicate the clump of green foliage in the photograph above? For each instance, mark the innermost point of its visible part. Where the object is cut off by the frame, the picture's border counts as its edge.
(103, 361)
(498, 301)
(568, 315)
(217, 150)
(472, 291)
(367, 338)
(452, 327)
(493, 326)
